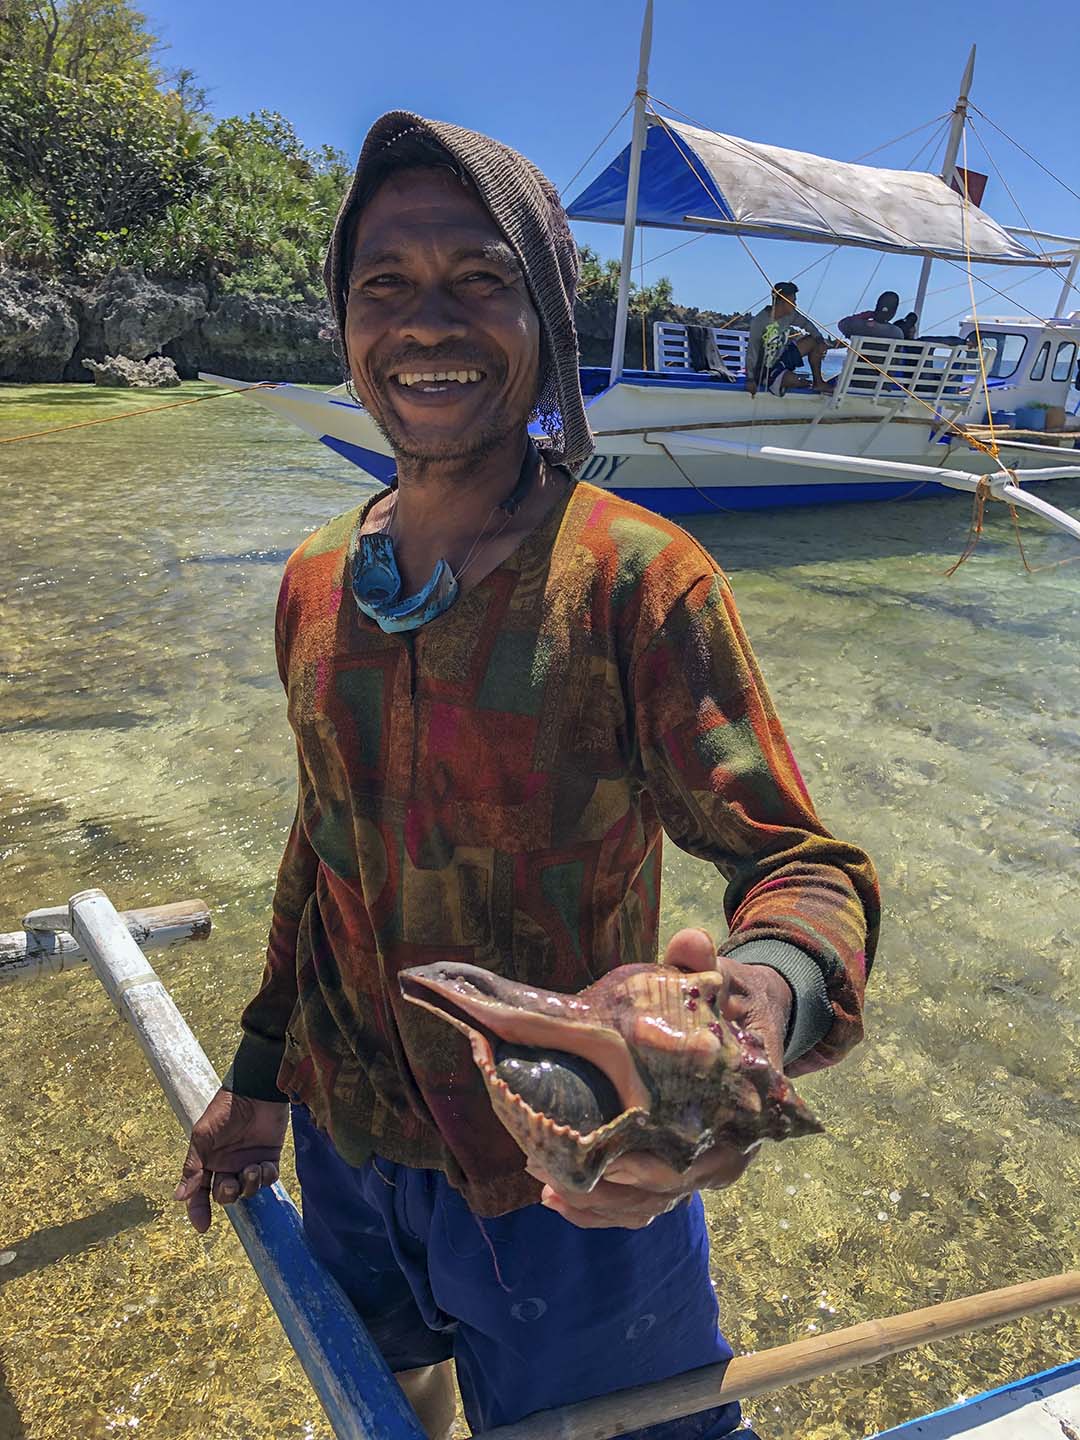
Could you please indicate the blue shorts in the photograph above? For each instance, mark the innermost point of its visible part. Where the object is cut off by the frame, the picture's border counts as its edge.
(534, 1311)
(789, 359)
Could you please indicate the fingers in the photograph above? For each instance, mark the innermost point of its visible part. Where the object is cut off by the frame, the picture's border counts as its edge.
(198, 1204)
(691, 950)
(645, 1171)
(598, 1211)
(196, 1189)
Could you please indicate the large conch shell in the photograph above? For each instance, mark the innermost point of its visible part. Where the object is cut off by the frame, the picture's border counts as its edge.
(644, 1059)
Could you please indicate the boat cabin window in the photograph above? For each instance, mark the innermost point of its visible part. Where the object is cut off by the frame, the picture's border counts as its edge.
(1008, 351)
(1063, 360)
(1038, 370)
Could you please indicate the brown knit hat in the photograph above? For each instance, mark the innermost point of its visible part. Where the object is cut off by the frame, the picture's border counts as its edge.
(526, 207)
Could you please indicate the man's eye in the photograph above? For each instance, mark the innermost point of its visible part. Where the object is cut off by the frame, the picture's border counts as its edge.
(483, 277)
(382, 282)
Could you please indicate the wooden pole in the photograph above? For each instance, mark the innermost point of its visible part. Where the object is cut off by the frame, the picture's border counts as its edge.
(44, 946)
(360, 1396)
(749, 1375)
(948, 168)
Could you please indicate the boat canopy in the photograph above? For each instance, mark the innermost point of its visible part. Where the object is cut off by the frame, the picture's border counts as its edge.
(701, 180)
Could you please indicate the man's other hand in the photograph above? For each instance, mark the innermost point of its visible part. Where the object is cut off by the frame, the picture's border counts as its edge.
(235, 1149)
(637, 1187)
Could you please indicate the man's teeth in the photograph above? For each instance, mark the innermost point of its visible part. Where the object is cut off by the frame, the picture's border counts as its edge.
(429, 377)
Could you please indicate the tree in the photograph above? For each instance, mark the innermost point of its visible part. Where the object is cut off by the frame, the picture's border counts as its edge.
(84, 40)
(106, 158)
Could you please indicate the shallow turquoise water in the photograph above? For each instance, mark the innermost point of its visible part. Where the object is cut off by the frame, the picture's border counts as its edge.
(143, 748)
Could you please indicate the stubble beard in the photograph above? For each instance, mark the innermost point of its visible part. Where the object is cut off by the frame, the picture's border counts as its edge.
(498, 430)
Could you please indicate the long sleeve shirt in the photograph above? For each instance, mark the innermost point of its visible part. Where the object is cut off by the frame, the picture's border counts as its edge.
(493, 788)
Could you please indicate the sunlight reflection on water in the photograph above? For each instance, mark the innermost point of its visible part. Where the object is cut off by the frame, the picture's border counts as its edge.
(144, 749)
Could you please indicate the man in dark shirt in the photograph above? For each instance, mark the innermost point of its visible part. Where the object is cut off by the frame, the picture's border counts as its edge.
(878, 322)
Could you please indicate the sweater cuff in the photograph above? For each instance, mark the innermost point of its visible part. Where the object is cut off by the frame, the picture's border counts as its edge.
(811, 1016)
(254, 1070)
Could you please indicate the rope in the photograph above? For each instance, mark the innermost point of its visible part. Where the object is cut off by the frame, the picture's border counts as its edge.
(966, 435)
(1008, 190)
(128, 414)
(593, 151)
(965, 211)
(926, 126)
(941, 259)
(1074, 193)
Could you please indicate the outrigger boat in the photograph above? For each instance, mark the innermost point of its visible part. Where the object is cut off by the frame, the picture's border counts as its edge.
(903, 417)
(359, 1395)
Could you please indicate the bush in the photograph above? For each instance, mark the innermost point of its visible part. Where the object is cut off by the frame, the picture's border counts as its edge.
(27, 233)
(105, 160)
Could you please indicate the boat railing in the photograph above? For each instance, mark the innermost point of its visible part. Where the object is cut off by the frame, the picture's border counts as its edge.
(908, 376)
(671, 346)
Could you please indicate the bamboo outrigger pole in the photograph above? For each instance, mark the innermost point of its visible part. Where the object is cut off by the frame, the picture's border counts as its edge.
(750, 1375)
(361, 1398)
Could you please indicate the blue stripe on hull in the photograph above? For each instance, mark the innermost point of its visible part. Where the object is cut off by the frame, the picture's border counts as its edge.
(380, 466)
(686, 500)
(956, 1420)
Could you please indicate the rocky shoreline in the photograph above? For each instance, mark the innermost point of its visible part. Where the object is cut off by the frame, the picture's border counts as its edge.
(50, 327)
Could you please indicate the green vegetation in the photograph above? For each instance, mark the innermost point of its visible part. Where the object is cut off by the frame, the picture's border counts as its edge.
(108, 159)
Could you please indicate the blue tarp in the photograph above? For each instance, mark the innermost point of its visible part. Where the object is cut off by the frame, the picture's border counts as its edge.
(700, 180)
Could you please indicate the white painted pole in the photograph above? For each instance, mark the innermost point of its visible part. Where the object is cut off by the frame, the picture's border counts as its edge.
(948, 169)
(637, 145)
(1001, 486)
(361, 1398)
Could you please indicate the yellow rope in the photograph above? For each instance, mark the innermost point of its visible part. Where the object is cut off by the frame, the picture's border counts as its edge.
(941, 259)
(964, 434)
(128, 414)
(966, 198)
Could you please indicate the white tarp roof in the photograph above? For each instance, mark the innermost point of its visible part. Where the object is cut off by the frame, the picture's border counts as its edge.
(694, 179)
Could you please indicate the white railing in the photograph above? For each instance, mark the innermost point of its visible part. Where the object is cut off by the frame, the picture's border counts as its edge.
(671, 347)
(908, 375)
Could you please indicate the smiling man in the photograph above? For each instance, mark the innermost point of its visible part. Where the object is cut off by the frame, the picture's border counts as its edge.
(505, 685)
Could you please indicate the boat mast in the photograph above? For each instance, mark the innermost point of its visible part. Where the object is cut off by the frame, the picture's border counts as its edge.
(956, 130)
(637, 145)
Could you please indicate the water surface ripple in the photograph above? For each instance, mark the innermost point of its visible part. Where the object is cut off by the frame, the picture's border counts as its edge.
(144, 748)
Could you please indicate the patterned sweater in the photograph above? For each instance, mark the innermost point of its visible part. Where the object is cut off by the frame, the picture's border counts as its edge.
(493, 788)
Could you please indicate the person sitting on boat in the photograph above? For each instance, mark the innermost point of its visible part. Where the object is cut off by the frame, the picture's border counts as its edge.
(877, 323)
(780, 340)
(504, 684)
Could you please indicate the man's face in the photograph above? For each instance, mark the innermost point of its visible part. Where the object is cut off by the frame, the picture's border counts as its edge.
(436, 291)
(782, 306)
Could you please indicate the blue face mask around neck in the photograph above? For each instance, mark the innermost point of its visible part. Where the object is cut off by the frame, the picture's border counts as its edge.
(376, 587)
(376, 580)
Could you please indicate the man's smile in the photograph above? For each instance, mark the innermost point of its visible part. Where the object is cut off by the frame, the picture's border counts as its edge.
(434, 387)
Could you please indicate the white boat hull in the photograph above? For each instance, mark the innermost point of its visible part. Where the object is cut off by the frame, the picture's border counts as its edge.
(654, 467)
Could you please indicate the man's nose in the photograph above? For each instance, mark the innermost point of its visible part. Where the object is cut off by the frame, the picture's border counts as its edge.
(433, 317)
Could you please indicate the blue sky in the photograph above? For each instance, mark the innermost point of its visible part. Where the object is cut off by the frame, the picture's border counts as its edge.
(550, 78)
